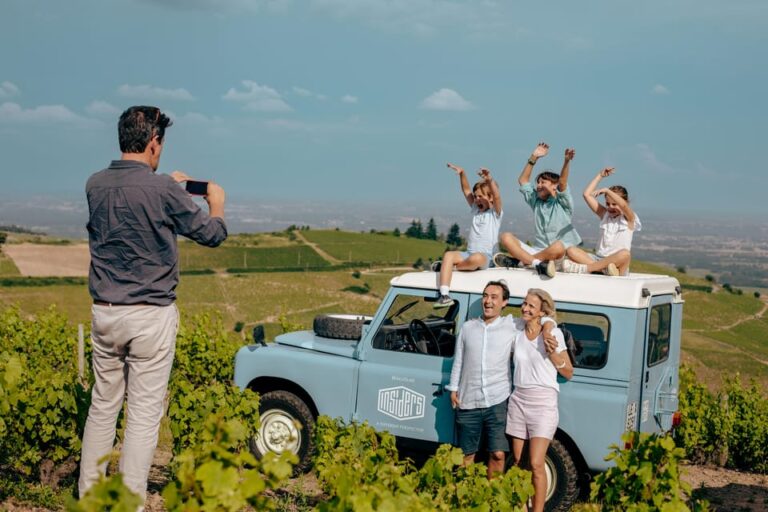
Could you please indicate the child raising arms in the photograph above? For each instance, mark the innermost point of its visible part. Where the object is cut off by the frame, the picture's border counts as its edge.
(552, 207)
(618, 222)
(485, 202)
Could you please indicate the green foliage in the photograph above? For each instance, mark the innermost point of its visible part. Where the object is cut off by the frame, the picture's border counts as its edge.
(216, 474)
(418, 264)
(190, 406)
(374, 249)
(697, 287)
(704, 427)
(107, 494)
(42, 403)
(204, 352)
(729, 428)
(42, 281)
(454, 237)
(748, 410)
(195, 257)
(645, 478)
(360, 470)
(288, 326)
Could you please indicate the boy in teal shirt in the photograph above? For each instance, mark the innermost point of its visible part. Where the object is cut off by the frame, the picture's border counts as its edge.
(552, 206)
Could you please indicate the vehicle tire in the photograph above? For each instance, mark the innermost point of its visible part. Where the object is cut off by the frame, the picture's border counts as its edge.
(340, 327)
(562, 478)
(286, 424)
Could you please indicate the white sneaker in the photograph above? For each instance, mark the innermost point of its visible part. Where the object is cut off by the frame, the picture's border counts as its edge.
(572, 267)
(611, 270)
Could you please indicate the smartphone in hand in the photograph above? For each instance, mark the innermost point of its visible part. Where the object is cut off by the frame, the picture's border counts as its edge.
(197, 188)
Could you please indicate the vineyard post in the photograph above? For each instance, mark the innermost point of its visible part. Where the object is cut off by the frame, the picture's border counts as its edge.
(80, 351)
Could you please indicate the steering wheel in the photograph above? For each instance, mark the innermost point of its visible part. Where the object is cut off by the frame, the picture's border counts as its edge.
(414, 327)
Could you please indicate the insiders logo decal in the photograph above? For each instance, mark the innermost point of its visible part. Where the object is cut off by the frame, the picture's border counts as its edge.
(401, 403)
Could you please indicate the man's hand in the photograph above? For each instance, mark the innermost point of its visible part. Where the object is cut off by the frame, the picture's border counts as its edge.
(215, 199)
(458, 170)
(541, 150)
(179, 176)
(606, 172)
(455, 399)
(569, 154)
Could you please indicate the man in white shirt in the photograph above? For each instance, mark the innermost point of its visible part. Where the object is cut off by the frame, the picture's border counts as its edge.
(481, 377)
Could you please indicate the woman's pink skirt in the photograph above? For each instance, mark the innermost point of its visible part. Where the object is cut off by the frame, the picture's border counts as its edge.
(532, 412)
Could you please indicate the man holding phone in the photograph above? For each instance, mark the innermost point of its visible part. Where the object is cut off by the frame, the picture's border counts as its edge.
(134, 218)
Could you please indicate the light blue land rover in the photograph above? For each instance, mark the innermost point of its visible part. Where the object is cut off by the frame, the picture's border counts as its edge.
(391, 369)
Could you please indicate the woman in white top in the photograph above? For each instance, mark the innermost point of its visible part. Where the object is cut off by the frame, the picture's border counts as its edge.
(532, 411)
(617, 225)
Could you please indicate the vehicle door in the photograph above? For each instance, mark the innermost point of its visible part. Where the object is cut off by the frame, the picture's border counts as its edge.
(406, 364)
(658, 400)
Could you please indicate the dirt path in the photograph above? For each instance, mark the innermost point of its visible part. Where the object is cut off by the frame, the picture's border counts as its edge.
(40, 260)
(756, 316)
(327, 257)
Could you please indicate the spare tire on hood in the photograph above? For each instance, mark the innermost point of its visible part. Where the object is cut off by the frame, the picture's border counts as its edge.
(340, 327)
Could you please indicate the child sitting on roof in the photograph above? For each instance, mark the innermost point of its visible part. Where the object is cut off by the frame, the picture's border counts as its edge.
(485, 202)
(552, 207)
(618, 222)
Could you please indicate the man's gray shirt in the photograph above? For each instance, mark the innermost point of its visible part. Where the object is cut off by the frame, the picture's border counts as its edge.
(134, 217)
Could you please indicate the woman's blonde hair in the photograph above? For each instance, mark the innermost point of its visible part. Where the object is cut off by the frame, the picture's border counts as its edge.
(547, 303)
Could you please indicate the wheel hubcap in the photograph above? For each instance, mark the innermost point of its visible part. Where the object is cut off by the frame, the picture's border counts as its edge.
(549, 468)
(278, 433)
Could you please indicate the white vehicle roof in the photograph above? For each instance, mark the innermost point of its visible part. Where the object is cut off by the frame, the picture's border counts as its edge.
(626, 291)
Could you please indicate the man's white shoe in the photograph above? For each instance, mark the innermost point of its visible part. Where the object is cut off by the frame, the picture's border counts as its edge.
(572, 267)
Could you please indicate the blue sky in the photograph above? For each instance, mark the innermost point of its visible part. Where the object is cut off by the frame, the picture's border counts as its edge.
(364, 101)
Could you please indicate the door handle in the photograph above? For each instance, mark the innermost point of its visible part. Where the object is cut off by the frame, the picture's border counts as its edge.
(440, 389)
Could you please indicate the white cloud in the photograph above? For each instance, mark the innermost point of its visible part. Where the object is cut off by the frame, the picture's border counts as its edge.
(659, 89)
(446, 99)
(260, 98)
(289, 125)
(102, 108)
(43, 114)
(149, 92)
(306, 93)
(648, 156)
(348, 98)
(8, 89)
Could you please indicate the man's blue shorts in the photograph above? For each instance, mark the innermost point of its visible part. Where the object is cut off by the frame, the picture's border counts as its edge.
(473, 423)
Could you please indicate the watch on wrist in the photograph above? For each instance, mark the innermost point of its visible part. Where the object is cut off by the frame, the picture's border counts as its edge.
(531, 162)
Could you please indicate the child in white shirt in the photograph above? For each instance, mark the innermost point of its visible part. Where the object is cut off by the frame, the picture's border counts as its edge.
(485, 202)
(618, 222)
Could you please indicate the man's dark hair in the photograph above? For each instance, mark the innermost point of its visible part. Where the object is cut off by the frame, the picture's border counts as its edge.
(549, 176)
(138, 125)
(501, 284)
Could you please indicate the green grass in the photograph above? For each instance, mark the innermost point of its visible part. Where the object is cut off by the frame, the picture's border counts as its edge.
(715, 310)
(375, 248)
(195, 257)
(7, 266)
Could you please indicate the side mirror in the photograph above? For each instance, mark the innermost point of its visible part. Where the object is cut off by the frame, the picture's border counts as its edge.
(258, 335)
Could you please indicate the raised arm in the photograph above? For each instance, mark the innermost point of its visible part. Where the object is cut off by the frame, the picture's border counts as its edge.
(626, 210)
(589, 192)
(541, 150)
(465, 188)
(563, 183)
(486, 175)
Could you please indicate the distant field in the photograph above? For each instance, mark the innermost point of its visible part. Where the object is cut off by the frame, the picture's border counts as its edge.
(719, 331)
(375, 248)
(7, 267)
(195, 257)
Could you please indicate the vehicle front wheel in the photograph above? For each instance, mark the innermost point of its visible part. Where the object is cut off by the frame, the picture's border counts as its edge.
(286, 424)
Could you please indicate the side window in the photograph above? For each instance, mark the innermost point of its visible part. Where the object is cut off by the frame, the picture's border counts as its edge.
(590, 333)
(658, 334)
(413, 325)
